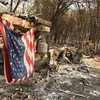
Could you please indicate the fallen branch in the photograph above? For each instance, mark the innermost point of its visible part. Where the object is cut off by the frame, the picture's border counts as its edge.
(76, 94)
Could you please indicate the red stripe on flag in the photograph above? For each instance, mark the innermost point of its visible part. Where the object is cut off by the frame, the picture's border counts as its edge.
(29, 72)
(31, 46)
(28, 58)
(15, 81)
(8, 23)
(26, 39)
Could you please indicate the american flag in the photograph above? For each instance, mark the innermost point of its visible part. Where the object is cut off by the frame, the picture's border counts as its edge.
(18, 52)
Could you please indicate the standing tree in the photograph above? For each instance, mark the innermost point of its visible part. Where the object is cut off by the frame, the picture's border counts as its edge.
(15, 4)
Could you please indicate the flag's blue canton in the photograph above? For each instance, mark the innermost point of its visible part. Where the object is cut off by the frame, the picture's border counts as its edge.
(15, 53)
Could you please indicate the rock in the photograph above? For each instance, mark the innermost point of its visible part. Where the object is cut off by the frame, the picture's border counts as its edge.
(54, 67)
(30, 97)
(44, 73)
(69, 69)
(94, 93)
(4, 98)
(1, 90)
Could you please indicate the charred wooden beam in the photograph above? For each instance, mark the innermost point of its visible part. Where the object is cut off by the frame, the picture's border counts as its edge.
(36, 20)
(25, 23)
(44, 22)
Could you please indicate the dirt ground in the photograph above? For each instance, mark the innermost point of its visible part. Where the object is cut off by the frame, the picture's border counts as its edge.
(66, 82)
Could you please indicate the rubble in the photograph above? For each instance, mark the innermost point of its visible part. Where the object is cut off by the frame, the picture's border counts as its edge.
(65, 82)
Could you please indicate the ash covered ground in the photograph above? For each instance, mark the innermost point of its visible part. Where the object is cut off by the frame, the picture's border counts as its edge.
(66, 82)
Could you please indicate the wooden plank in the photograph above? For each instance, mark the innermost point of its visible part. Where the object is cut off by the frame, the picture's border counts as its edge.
(44, 22)
(18, 21)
